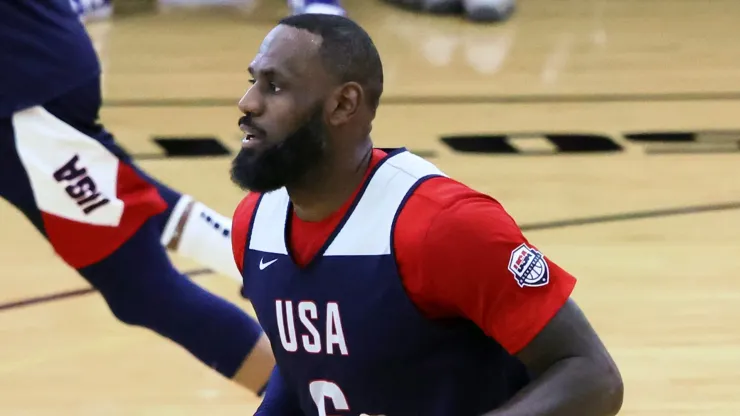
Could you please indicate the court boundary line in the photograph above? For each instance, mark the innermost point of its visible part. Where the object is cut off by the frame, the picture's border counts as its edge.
(75, 293)
(456, 99)
(632, 216)
(538, 226)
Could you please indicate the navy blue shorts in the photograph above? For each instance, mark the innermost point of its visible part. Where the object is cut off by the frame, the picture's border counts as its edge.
(63, 170)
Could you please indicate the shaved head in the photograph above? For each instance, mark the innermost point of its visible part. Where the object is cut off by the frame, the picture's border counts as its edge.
(317, 81)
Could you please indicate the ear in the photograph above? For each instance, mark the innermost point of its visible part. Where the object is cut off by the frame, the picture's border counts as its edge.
(345, 103)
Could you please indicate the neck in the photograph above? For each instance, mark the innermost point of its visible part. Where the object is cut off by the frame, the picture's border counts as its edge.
(327, 189)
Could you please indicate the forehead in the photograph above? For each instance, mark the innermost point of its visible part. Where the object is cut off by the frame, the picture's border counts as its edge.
(288, 51)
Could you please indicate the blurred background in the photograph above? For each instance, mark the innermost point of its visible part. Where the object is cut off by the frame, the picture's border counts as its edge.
(609, 129)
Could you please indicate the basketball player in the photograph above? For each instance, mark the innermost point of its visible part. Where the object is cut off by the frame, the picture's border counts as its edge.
(316, 6)
(101, 213)
(91, 10)
(386, 287)
(473, 10)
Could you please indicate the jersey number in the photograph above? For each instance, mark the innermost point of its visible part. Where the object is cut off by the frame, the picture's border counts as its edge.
(321, 390)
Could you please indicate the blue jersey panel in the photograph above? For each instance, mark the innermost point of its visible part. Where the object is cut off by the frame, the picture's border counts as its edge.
(45, 51)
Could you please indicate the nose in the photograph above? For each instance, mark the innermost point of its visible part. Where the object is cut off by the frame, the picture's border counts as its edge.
(252, 103)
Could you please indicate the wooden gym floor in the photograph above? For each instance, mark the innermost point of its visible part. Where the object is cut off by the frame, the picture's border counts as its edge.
(650, 228)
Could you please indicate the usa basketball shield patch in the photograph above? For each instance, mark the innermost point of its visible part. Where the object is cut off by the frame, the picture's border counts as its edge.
(529, 267)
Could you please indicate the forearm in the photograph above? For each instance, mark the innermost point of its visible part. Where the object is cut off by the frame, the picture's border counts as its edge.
(573, 386)
(278, 399)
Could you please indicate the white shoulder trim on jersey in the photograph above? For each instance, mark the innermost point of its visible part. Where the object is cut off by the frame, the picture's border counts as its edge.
(268, 225)
(368, 230)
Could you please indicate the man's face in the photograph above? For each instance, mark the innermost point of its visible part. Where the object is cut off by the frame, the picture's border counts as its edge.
(285, 135)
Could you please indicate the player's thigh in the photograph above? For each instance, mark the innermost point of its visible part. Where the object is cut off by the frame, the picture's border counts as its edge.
(80, 108)
(83, 194)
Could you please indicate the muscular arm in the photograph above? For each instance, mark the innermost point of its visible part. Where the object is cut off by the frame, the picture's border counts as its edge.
(478, 265)
(574, 374)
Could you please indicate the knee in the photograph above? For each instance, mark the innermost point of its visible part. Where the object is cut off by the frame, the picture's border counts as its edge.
(126, 311)
(137, 281)
(129, 304)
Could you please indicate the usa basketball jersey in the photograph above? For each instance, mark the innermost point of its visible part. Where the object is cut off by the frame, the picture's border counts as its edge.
(45, 52)
(346, 337)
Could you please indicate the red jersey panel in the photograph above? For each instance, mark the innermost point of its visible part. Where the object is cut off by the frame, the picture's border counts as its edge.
(81, 244)
(459, 254)
(91, 202)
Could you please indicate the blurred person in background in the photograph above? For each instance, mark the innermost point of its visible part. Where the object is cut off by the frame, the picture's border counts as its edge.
(474, 10)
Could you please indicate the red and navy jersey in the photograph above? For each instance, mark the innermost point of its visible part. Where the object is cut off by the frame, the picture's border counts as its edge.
(411, 299)
(44, 52)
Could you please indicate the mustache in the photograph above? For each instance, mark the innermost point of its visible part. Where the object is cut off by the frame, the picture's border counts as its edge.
(246, 120)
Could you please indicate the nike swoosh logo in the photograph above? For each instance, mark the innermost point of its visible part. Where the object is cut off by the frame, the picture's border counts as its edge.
(263, 266)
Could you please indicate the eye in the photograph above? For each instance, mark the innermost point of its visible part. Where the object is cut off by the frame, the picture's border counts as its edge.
(274, 88)
(269, 85)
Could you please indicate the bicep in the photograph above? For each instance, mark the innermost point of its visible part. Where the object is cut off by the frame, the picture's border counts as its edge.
(568, 334)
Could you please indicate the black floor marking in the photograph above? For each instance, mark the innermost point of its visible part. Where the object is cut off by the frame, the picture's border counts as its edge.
(601, 219)
(191, 146)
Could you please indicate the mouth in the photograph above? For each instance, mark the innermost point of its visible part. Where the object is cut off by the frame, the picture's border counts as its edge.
(251, 137)
(250, 142)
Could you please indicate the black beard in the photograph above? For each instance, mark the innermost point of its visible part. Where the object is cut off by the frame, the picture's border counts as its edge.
(271, 167)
